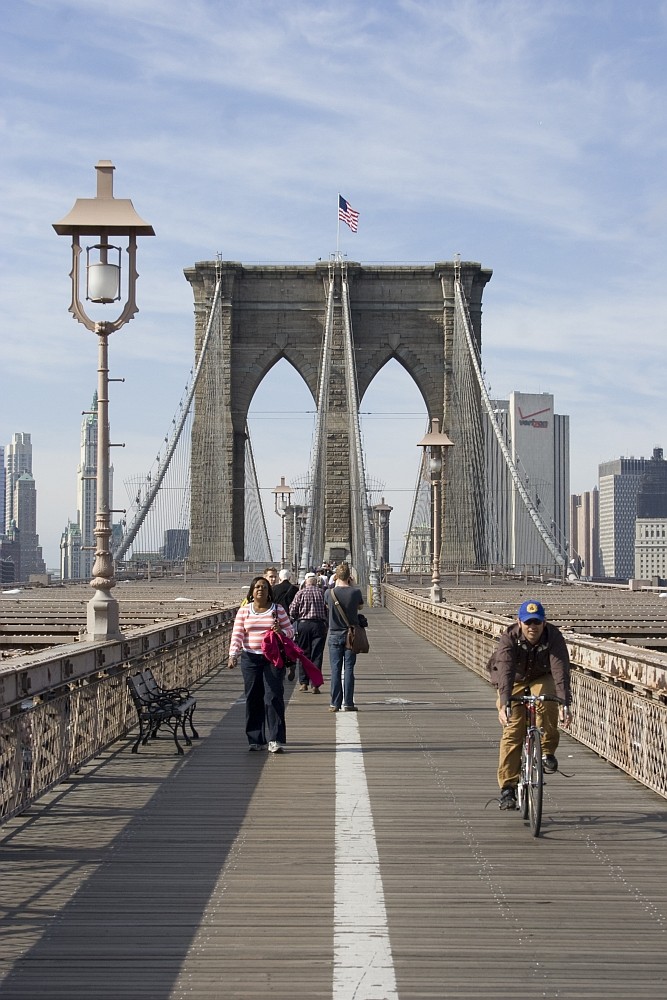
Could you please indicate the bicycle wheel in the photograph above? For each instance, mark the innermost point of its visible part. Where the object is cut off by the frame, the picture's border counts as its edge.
(535, 786)
(522, 789)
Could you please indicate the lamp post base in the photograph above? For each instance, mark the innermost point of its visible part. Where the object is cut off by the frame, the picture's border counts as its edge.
(102, 617)
(436, 594)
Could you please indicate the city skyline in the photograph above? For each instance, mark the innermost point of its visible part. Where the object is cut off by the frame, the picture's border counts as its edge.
(526, 137)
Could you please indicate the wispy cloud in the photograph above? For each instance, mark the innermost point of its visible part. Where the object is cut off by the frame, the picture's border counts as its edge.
(530, 137)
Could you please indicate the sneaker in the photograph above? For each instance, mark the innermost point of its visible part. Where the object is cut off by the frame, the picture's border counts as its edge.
(350, 708)
(291, 673)
(549, 763)
(256, 746)
(275, 747)
(507, 798)
(303, 687)
(316, 690)
(332, 708)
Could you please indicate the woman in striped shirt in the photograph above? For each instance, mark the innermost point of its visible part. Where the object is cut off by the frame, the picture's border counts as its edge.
(263, 683)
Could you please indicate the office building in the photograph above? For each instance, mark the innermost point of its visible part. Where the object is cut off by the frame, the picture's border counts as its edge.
(651, 548)
(20, 521)
(25, 519)
(2, 490)
(176, 544)
(18, 459)
(538, 441)
(70, 552)
(585, 534)
(629, 488)
(77, 552)
(10, 557)
(86, 490)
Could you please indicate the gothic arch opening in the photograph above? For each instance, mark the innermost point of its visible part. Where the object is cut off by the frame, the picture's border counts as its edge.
(281, 420)
(393, 419)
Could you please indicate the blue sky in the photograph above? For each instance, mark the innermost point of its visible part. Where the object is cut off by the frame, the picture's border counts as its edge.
(528, 136)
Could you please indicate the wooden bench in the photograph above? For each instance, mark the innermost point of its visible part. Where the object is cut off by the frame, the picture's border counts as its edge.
(159, 706)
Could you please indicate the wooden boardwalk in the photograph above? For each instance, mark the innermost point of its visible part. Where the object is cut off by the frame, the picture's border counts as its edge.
(239, 876)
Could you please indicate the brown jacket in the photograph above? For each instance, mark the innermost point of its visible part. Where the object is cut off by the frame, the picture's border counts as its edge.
(515, 659)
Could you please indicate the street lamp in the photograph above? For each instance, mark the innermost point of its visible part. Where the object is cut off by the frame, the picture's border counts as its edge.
(302, 518)
(102, 217)
(282, 493)
(435, 441)
(382, 511)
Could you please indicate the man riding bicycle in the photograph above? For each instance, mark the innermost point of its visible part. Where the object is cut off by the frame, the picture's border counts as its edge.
(530, 654)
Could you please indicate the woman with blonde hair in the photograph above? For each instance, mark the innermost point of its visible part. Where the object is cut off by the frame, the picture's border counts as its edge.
(343, 601)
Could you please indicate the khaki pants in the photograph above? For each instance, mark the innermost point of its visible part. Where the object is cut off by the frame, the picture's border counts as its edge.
(511, 741)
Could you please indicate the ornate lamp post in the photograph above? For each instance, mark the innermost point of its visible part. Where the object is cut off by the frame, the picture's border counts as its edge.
(382, 511)
(102, 217)
(282, 493)
(302, 518)
(435, 441)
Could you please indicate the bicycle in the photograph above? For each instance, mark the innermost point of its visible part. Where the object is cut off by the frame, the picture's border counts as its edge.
(531, 781)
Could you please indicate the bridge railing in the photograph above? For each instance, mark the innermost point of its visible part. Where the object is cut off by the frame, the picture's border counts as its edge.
(59, 710)
(619, 692)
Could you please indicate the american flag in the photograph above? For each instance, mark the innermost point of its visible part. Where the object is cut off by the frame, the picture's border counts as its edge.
(347, 214)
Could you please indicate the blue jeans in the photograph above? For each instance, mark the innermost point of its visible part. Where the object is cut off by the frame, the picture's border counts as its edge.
(264, 699)
(342, 686)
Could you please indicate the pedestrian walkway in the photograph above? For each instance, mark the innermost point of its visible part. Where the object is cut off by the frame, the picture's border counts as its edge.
(362, 863)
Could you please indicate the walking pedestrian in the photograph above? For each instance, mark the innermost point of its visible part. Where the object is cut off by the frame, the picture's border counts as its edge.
(309, 613)
(262, 681)
(342, 660)
(285, 591)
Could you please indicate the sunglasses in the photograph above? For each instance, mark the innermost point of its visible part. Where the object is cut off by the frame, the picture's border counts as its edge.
(533, 622)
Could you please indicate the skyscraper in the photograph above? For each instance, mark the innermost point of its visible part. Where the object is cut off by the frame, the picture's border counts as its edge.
(2, 491)
(77, 547)
(70, 552)
(21, 505)
(585, 533)
(25, 517)
(18, 459)
(629, 488)
(651, 522)
(539, 444)
(86, 491)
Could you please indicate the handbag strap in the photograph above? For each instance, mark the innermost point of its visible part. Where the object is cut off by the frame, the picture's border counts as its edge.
(276, 621)
(340, 608)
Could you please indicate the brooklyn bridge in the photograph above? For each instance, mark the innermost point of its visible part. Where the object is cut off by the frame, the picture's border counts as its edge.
(370, 860)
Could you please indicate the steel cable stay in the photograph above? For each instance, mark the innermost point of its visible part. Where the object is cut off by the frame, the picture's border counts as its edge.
(313, 535)
(464, 316)
(163, 499)
(466, 502)
(258, 547)
(142, 511)
(361, 519)
(416, 553)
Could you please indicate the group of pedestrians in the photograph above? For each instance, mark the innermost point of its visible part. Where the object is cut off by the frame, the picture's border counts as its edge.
(531, 655)
(306, 615)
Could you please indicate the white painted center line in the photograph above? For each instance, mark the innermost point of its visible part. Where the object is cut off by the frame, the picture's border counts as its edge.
(363, 963)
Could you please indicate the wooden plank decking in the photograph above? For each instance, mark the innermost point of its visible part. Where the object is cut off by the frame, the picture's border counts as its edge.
(213, 875)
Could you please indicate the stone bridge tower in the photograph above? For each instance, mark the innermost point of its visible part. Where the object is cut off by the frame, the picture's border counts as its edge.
(273, 312)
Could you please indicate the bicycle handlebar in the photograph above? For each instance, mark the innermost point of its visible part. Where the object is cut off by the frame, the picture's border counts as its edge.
(531, 699)
(527, 699)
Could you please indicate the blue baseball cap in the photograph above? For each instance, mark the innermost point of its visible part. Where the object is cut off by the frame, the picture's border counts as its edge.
(531, 610)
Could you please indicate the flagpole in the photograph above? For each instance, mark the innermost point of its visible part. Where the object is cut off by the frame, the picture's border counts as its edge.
(338, 224)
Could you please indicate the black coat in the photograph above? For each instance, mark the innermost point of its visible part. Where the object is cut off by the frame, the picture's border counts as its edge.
(284, 593)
